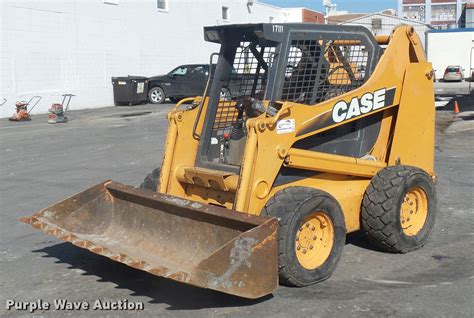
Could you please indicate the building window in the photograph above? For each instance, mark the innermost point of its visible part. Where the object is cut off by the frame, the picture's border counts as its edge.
(270, 19)
(376, 24)
(416, 12)
(225, 13)
(162, 5)
(446, 12)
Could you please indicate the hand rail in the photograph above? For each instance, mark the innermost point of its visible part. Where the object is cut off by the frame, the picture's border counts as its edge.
(198, 116)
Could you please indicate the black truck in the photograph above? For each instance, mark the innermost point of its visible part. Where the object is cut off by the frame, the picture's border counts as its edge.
(183, 81)
(190, 80)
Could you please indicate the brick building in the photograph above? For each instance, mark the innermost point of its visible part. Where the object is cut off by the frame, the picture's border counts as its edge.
(467, 18)
(304, 15)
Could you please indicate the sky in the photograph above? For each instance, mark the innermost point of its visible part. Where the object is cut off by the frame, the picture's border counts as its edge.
(363, 6)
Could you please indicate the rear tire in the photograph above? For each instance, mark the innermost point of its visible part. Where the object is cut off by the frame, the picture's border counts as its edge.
(156, 95)
(152, 180)
(398, 209)
(311, 234)
(175, 100)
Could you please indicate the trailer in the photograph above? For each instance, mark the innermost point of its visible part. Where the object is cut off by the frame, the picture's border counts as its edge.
(450, 47)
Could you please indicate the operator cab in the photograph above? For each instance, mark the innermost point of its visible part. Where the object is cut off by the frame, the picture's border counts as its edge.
(258, 69)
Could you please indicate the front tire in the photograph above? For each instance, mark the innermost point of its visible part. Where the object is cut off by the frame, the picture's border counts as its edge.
(225, 94)
(156, 95)
(311, 234)
(152, 180)
(399, 208)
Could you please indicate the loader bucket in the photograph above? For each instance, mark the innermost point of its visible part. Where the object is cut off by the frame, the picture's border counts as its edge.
(198, 244)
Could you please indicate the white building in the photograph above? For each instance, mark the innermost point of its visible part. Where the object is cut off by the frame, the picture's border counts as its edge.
(451, 47)
(51, 47)
(383, 24)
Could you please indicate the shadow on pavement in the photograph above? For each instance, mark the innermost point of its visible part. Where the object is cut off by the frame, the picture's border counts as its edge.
(360, 240)
(465, 103)
(178, 296)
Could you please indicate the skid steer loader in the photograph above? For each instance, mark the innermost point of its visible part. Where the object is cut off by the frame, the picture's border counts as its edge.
(324, 130)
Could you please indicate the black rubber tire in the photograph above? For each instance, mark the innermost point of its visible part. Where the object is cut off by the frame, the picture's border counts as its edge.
(159, 90)
(175, 100)
(290, 206)
(380, 215)
(152, 180)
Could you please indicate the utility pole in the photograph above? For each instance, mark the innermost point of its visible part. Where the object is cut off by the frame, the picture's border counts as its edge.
(470, 71)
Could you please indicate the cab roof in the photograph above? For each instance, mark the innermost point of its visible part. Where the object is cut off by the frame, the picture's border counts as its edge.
(274, 32)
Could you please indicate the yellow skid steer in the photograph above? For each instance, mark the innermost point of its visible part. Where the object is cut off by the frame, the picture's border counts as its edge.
(304, 133)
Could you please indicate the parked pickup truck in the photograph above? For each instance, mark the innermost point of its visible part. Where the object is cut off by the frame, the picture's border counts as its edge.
(190, 80)
(183, 81)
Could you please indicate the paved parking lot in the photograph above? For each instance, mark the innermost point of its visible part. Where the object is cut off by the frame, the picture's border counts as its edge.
(453, 88)
(42, 163)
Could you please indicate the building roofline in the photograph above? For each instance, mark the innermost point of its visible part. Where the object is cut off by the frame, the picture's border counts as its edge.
(268, 5)
(302, 8)
(283, 8)
(388, 16)
(334, 17)
(452, 30)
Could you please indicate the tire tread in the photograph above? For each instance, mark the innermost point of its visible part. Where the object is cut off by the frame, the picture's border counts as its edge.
(281, 205)
(377, 207)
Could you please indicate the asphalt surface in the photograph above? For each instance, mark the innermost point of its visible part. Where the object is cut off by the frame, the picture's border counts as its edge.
(41, 164)
(453, 88)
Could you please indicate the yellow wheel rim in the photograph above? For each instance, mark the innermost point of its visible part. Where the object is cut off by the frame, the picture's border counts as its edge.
(314, 240)
(414, 211)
